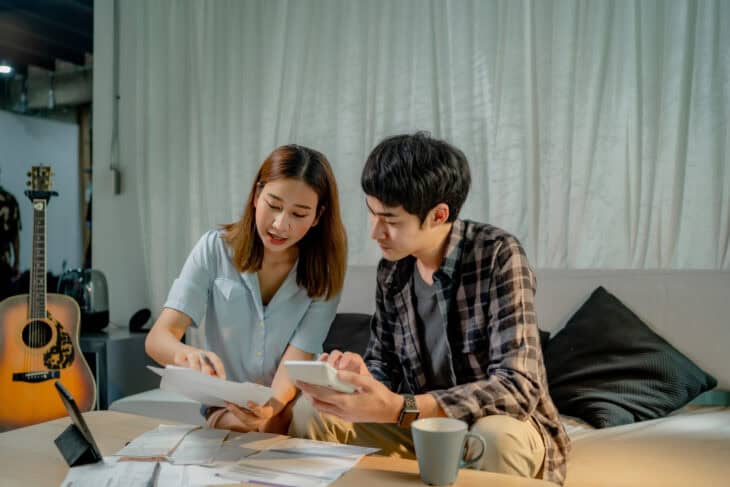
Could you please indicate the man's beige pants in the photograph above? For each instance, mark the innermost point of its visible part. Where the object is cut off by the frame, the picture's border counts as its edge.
(513, 447)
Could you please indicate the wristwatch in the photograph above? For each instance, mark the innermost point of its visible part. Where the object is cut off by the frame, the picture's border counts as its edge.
(409, 413)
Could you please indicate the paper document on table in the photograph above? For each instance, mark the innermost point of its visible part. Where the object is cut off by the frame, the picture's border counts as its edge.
(240, 445)
(209, 390)
(297, 462)
(324, 468)
(156, 443)
(199, 447)
(245, 473)
(110, 473)
(189, 476)
(321, 448)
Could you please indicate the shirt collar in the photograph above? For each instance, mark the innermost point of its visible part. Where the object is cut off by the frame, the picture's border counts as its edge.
(454, 250)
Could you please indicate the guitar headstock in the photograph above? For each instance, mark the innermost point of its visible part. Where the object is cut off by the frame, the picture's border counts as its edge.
(39, 182)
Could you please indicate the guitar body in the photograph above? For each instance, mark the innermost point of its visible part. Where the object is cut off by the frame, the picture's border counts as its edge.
(34, 354)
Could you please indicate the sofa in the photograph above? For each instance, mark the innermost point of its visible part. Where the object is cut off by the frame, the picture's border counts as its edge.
(688, 309)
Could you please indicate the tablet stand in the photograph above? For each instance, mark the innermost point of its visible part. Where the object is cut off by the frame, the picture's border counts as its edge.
(74, 447)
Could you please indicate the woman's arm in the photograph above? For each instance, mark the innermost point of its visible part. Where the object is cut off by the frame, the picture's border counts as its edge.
(265, 417)
(164, 346)
(283, 389)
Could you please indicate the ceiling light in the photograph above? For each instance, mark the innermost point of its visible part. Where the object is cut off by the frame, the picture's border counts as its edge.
(6, 69)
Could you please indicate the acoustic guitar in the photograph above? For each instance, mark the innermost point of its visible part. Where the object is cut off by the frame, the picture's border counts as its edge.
(39, 336)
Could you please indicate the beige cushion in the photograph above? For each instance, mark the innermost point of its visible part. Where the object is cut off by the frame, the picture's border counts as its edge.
(690, 448)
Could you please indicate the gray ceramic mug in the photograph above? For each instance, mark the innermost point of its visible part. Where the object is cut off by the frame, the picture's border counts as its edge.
(440, 446)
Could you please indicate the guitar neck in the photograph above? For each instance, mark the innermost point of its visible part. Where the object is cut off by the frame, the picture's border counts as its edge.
(37, 298)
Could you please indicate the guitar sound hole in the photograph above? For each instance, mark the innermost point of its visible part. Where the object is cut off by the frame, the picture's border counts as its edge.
(37, 334)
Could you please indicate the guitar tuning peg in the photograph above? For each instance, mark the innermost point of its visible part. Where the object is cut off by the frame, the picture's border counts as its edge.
(28, 174)
(27, 183)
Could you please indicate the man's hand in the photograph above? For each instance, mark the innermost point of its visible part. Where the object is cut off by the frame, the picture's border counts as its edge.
(371, 403)
(202, 360)
(345, 361)
(254, 418)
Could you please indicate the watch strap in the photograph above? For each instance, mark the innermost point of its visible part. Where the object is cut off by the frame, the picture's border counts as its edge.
(409, 412)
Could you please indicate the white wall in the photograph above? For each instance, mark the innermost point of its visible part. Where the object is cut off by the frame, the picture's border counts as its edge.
(116, 248)
(29, 141)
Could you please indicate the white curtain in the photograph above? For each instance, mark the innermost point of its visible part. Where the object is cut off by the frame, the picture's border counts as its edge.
(597, 132)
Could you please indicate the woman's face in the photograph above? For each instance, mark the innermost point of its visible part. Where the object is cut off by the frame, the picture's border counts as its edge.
(285, 211)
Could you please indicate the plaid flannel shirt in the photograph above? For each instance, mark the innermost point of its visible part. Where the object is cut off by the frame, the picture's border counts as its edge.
(486, 291)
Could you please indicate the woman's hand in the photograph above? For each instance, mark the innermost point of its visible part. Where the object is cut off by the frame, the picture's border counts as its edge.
(253, 418)
(202, 360)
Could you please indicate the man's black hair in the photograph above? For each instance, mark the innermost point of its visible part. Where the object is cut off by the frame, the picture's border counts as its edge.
(417, 172)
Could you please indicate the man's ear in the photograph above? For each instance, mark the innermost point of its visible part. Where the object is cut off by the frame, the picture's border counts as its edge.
(439, 214)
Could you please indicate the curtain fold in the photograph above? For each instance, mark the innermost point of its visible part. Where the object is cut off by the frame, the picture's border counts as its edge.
(596, 131)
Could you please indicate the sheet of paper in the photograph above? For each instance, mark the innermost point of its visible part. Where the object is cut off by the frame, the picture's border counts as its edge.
(110, 473)
(245, 473)
(207, 389)
(321, 448)
(199, 447)
(241, 445)
(189, 476)
(318, 467)
(298, 462)
(156, 443)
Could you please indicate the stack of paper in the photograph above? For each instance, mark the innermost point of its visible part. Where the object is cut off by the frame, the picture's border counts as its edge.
(188, 455)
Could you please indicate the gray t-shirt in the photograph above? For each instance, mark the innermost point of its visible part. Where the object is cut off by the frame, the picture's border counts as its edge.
(436, 356)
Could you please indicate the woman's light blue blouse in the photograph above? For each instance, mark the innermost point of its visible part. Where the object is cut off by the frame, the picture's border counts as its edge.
(248, 336)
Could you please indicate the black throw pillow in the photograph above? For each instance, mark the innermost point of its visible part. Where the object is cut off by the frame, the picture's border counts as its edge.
(608, 368)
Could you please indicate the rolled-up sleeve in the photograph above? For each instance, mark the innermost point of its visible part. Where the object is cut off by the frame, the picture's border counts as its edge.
(315, 324)
(189, 292)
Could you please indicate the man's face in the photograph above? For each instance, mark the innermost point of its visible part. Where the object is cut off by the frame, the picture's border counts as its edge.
(396, 231)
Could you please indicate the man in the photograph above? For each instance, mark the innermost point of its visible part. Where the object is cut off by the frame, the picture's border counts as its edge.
(454, 331)
(9, 242)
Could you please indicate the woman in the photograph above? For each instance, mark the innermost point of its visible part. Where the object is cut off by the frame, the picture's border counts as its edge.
(266, 286)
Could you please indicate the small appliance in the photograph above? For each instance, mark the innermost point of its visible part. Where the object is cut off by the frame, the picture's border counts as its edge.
(88, 288)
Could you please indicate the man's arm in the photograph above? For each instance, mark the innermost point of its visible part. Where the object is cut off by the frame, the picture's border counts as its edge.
(512, 383)
(380, 356)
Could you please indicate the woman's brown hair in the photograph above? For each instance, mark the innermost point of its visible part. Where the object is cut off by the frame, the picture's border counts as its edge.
(323, 250)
